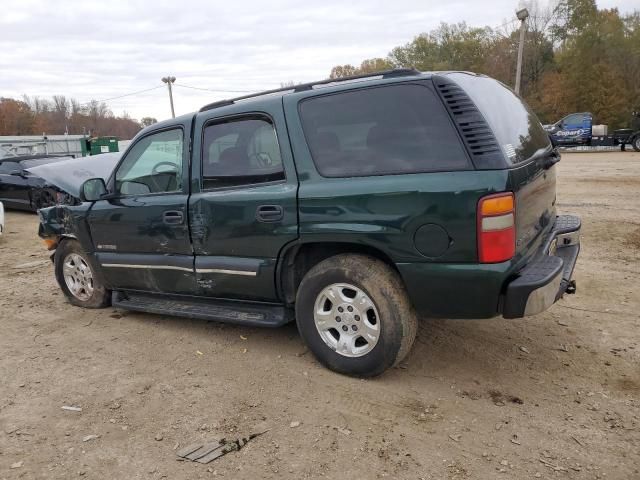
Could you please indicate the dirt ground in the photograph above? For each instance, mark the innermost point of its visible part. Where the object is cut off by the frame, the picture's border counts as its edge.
(554, 396)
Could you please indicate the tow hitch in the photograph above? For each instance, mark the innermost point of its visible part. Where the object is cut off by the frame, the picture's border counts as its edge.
(571, 288)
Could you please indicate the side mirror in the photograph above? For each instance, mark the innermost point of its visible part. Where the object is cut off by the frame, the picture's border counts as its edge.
(92, 190)
(17, 173)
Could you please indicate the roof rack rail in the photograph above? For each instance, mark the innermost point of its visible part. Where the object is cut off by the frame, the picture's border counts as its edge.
(396, 72)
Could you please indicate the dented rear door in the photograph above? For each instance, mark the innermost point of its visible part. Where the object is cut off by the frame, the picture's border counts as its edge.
(243, 205)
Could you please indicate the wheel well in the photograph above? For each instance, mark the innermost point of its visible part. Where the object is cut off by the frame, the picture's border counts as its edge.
(299, 260)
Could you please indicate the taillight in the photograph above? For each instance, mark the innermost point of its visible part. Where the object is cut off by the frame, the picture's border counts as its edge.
(496, 228)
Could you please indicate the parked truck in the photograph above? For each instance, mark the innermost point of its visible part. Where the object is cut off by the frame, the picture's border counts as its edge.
(577, 129)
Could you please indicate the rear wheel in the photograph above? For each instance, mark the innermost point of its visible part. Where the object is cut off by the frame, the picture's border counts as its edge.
(76, 277)
(355, 316)
(636, 143)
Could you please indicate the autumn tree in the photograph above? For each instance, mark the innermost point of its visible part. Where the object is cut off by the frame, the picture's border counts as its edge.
(370, 65)
(147, 121)
(16, 118)
(576, 58)
(59, 115)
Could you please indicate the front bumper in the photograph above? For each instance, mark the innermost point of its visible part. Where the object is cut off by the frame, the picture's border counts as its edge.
(545, 279)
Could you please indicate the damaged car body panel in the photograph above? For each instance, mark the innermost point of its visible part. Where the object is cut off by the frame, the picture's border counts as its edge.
(69, 175)
(141, 238)
(68, 219)
(23, 189)
(239, 225)
(65, 221)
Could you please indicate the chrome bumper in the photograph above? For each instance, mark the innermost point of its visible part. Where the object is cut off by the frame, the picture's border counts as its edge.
(548, 277)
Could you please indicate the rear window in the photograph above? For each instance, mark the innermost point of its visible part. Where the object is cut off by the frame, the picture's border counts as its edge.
(381, 131)
(514, 125)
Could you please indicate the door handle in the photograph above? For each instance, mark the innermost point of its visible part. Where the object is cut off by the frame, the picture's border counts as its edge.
(269, 213)
(173, 217)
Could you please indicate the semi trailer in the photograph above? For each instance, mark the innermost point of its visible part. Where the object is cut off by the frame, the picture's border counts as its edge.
(577, 129)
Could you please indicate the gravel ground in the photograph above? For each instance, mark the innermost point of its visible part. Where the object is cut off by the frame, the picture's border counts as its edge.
(554, 396)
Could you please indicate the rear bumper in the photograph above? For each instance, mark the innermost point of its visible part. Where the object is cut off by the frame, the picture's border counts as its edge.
(548, 276)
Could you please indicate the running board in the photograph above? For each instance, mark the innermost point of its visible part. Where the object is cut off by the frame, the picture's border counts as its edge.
(251, 314)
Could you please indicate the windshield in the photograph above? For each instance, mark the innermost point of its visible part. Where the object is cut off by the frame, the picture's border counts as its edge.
(515, 126)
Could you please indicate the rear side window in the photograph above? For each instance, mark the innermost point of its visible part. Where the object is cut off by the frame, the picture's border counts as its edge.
(241, 151)
(381, 131)
(514, 125)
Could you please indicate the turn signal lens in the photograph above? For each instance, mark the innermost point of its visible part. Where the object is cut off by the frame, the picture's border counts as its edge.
(50, 243)
(497, 205)
(496, 228)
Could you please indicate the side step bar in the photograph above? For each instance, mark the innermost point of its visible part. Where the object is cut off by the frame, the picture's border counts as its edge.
(251, 314)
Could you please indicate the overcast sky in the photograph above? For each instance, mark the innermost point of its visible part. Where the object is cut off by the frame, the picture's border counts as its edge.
(98, 50)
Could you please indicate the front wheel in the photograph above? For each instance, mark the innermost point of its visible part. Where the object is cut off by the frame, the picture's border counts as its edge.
(355, 316)
(635, 143)
(76, 277)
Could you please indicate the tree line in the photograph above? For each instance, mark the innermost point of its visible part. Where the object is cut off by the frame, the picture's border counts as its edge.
(59, 115)
(576, 58)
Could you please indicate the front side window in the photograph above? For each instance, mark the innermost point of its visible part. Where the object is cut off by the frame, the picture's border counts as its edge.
(240, 152)
(381, 131)
(573, 120)
(153, 165)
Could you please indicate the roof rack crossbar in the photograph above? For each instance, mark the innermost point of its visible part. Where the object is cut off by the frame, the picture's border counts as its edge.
(396, 72)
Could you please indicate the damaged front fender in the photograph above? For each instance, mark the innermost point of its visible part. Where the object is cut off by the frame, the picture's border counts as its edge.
(69, 222)
(64, 221)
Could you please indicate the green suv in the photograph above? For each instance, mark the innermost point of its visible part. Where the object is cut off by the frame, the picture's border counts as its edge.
(354, 206)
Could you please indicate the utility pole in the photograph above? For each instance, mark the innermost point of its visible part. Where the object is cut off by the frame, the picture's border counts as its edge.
(169, 80)
(522, 15)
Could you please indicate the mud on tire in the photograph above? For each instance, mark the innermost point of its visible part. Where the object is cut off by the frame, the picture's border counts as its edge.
(322, 314)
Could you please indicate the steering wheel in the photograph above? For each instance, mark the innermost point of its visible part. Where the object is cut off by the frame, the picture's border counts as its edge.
(156, 168)
(262, 159)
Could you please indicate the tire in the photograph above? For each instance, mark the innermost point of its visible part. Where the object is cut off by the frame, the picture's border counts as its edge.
(77, 278)
(635, 143)
(343, 340)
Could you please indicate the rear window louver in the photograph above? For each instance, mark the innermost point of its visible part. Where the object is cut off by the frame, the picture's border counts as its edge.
(473, 128)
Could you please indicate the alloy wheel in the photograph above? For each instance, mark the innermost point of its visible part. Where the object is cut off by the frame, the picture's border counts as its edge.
(78, 276)
(347, 319)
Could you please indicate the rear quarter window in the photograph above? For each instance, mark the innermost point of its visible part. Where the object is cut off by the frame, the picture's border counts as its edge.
(516, 128)
(385, 130)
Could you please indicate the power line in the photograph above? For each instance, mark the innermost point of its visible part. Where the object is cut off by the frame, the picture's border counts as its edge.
(213, 89)
(137, 92)
(125, 95)
(505, 24)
